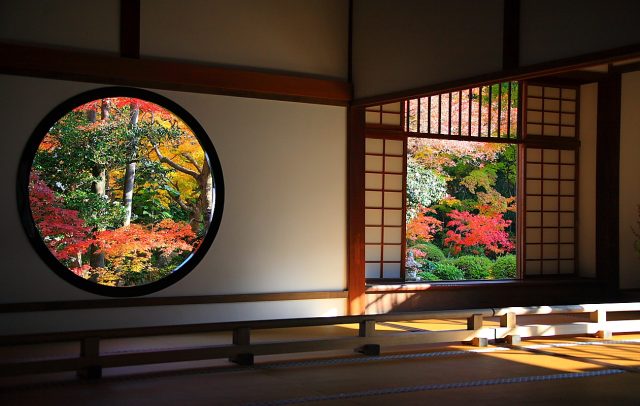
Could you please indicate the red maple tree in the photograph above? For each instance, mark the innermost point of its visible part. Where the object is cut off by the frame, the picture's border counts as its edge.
(62, 230)
(478, 232)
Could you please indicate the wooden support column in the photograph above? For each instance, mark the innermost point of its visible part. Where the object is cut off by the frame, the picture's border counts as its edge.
(90, 353)
(367, 328)
(600, 317)
(355, 210)
(509, 321)
(242, 336)
(608, 183)
(475, 322)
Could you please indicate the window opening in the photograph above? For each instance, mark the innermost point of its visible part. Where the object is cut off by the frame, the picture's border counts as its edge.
(121, 191)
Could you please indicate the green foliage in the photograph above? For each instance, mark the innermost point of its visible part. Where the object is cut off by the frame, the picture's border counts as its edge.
(98, 212)
(447, 271)
(428, 276)
(474, 267)
(432, 252)
(424, 187)
(504, 267)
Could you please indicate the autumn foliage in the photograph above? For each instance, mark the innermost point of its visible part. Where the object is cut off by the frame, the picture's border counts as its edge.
(423, 226)
(482, 233)
(64, 233)
(120, 191)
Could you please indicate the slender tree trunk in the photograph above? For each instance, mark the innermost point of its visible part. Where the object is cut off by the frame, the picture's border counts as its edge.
(206, 194)
(130, 171)
(99, 186)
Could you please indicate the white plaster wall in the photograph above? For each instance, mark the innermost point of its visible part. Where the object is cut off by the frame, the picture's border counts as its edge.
(404, 44)
(587, 181)
(307, 36)
(629, 180)
(556, 29)
(284, 222)
(67, 23)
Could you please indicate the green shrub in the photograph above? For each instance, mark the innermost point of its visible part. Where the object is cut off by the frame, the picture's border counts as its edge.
(433, 253)
(474, 266)
(504, 267)
(428, 276)
(447, 272)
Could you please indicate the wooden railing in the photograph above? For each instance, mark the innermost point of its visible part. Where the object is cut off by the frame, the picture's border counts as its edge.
(90, 360)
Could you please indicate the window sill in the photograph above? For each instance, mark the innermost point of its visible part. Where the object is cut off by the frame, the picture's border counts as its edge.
(398, 286)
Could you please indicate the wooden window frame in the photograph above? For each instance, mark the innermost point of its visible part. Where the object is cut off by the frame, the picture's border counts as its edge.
(521, 138)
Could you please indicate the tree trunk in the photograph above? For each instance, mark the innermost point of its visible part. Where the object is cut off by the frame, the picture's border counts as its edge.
(99, 187)
(206, 194)
(130, 171)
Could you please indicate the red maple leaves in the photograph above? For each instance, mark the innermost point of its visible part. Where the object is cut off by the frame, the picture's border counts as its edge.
(479, 232)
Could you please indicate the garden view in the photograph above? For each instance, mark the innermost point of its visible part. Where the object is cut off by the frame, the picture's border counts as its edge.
(121, 191)
(461, 209)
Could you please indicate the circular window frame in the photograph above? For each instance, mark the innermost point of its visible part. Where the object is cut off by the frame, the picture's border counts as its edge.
(24, 208)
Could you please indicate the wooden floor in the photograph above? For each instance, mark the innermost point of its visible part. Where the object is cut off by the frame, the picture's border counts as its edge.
(580, 370)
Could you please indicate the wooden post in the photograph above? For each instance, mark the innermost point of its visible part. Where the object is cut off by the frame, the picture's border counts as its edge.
(367, 328)
(242, 336)
(474, 322)
(90, 352)
(509, 321)
(600, 317)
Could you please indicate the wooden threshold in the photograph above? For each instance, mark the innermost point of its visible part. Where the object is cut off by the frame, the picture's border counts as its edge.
(169, 75)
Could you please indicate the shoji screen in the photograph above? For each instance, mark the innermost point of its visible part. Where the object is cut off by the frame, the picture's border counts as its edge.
(550, 182)
(384, 202)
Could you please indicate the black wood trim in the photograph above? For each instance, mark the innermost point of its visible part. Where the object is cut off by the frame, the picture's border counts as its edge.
(511, 35)
(130, 28)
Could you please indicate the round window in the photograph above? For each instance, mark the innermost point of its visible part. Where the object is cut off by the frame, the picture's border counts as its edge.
(120, 191)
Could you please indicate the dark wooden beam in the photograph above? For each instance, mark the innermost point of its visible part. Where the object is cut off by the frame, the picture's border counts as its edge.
(607, 183)
(573, 78)
(511, 35)
(108, 69)
(166, 301)
(350, 44)
(520, 73)
(130, 28)
(355, 210)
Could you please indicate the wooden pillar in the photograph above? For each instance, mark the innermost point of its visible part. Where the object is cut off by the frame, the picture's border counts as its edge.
(90, 354)
(367, 328)
(608, 183)
(242, 337)
(355, 211)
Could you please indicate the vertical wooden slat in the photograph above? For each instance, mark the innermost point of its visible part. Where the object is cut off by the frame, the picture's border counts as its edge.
(450, 121)
(429, 115)
(419, 115)
(480, 111)
(403, 230)
(460, 113)
(509, 111)
(499, 110)
(439, 114)
(490, 108)
(470, 104)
